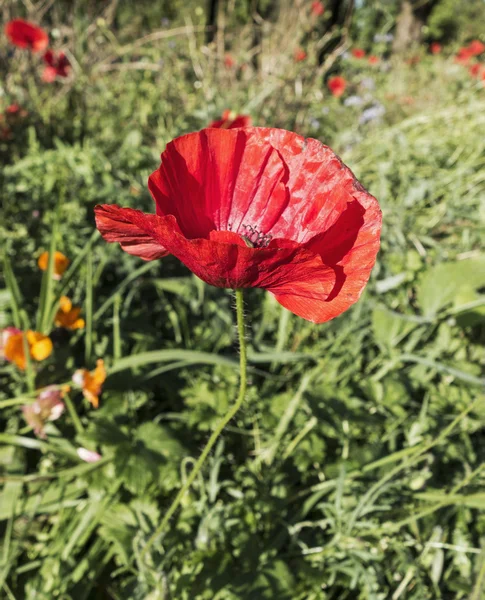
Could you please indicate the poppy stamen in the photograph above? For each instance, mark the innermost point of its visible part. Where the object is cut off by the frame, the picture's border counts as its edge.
(256, 238)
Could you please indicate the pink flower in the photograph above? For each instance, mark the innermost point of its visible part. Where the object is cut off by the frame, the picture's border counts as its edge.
(48, 406)
(88, 456)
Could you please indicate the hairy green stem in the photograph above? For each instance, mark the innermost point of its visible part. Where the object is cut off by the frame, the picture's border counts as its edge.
(217, 431)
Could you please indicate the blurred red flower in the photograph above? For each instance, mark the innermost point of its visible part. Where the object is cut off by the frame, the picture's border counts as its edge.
(231, 120)
(463, 56)
(476, 70)
(26, 35)
(435, 48)
(258, 208)
(358, 53)
(229, 62)
(56, 66)
(476, 47)
(374, 60)
(337, 85)
(5, 133)
(299, 55)
(12, 109)
(317, 9)
(13, 112)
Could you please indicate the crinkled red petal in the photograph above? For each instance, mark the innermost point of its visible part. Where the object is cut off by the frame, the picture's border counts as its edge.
(273, 182)
(222, 261)
(115, 225)
(220, 179)
(26, 35)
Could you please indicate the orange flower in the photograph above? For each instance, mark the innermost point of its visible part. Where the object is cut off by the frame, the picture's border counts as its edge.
(91, 382)
(68, 316)
(40, 346)
(374, 60)
(61, 263)
(299, 55)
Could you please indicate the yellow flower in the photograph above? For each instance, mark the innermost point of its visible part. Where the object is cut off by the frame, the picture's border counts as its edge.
(68, 316)
(61, 263)
(40, 347)
(91, 382)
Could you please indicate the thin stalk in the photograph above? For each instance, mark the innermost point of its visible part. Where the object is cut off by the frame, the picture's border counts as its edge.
(217, 431)
(89, 309)
(29, 369)
(116, 328)
(78, 426)
(479, 585)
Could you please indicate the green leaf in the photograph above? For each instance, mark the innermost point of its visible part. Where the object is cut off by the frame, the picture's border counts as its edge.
(471, 500)
(440, 284)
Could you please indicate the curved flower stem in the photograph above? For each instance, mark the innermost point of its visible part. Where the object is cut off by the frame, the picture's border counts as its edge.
(217, 431)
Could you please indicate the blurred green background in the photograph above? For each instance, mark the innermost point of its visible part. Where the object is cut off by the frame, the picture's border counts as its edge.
(355, 469)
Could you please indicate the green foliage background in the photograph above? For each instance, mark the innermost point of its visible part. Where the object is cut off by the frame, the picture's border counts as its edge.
(356, 466)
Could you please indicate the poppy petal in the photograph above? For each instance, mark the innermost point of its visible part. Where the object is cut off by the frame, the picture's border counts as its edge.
(220, 179)
(115, 226)
(320, 185)
(222, 261)
(350, 247)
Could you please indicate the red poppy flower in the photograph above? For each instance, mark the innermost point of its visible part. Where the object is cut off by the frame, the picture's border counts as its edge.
(463, 56)
(229, 62)
(56, 66)
(317, 9)
(435, 48)
(476, 69)
(374, 60)
(299, 55)
(337, 85)
(230, 120)
(13, 113)
(358, 53)
(476, 47)
(12, 109)
(260, 208)
(26, 35)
